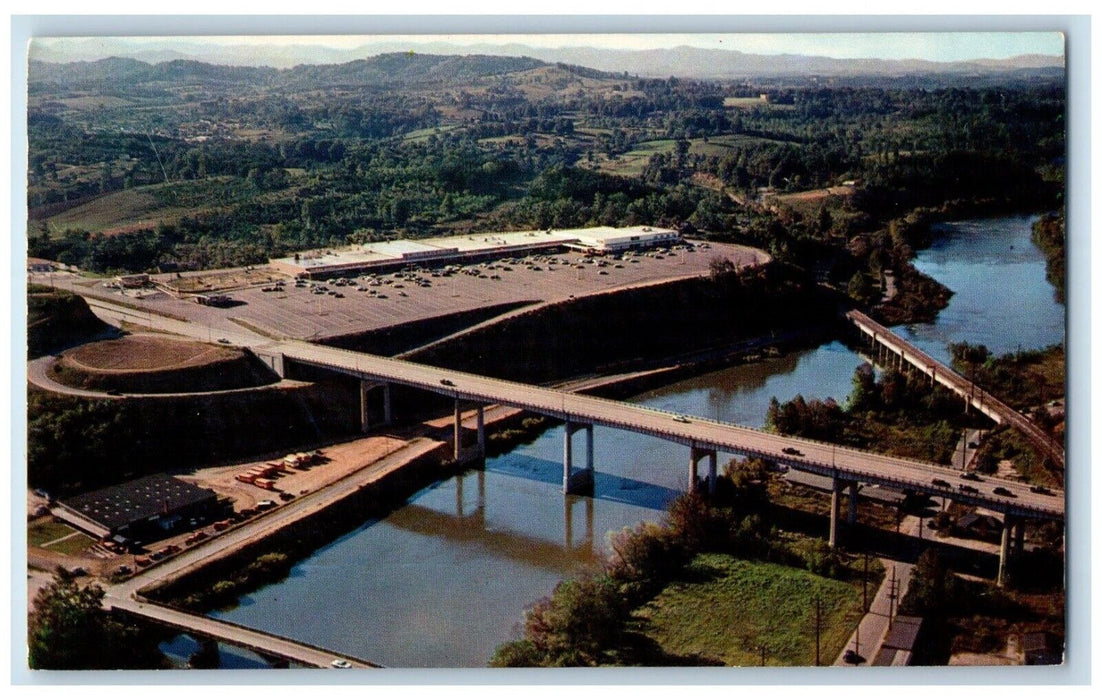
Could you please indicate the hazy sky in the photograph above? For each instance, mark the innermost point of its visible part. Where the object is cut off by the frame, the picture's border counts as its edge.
(955, 46)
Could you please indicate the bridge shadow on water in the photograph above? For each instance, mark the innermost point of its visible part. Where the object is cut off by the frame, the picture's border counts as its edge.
(606, 487)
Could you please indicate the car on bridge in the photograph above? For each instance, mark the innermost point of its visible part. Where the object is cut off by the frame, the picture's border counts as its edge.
(942, 483)
(340, 663)
(971, 476)
(965, 488)
(1001, 491)
(682, 419)
(792, 451)
(447, 382)
(1043, 490)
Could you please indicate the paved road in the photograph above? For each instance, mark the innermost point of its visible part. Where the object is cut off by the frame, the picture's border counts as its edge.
(816, 457)
(126, 595)
(868, 636)
(806, 455)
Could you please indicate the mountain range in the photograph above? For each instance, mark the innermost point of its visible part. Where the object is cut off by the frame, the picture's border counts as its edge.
(678, 61)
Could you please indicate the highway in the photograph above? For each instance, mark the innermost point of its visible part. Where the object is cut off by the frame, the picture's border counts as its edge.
(946, 376)
(806, 455)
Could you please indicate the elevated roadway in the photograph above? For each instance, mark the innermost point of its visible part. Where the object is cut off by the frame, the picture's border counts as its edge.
(697, 433)
(883, 337)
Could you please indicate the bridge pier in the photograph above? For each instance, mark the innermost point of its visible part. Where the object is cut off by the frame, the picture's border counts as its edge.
(1004, 550)
(583, 480)
(695, 455)
(365, 393)
(835, 495)
(851, 516)
(457, 430)
(481, 427)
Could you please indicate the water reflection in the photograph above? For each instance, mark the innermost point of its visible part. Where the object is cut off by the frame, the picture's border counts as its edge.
(606, 486)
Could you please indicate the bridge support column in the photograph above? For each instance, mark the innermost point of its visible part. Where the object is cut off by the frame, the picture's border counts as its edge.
(458, 430)
(583, 480)
(365, 422)
(835, 495)
(1004, 551)
(388, 412)
(481, 422)
(1019, 537)
(712, 473)
(365, 394)
(695, 455)
(851, 516)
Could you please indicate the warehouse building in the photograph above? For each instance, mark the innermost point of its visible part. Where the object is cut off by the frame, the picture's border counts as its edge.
(391, 255)
(141, 510)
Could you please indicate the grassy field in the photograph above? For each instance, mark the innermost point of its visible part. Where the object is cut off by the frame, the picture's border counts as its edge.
(114, 210)
(47, 531)
(73, 545)
(750, 604)
(424, 134)
(744, 102)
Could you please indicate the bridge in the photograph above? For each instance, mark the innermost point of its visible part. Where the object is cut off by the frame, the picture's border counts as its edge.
(264, 643)
(845, 466)
(887, 345)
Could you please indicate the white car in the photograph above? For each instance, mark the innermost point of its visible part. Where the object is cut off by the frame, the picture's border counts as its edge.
(340, 663)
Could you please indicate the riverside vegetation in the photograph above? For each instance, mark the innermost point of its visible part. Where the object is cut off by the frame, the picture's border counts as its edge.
(643, 607)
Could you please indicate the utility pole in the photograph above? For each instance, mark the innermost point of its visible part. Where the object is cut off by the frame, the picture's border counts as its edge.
(865, 586)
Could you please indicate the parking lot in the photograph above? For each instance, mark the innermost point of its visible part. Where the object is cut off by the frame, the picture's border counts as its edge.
(319, 309)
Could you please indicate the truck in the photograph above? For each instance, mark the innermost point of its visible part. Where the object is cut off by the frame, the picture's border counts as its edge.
(268, 484)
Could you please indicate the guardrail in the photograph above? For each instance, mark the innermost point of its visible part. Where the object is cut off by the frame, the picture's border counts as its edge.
(960, 384)
(588, 408)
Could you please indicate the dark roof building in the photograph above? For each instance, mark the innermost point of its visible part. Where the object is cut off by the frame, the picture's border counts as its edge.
(900, 643)
(136, 507)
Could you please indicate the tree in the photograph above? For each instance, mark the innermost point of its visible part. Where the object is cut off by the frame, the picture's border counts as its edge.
(579, 625)
(69, 630)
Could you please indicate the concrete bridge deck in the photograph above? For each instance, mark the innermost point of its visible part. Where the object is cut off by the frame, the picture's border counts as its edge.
(697, 433)
(947, 377)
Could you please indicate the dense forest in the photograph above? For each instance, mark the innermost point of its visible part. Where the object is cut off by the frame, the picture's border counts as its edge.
(184, 165)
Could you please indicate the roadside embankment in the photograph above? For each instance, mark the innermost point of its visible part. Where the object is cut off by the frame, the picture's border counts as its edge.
(618, 331)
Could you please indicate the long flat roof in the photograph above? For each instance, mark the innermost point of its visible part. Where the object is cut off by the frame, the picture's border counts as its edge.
(398, 251)
(140, 499)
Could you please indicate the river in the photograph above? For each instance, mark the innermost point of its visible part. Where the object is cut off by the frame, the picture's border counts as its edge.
(443, 580)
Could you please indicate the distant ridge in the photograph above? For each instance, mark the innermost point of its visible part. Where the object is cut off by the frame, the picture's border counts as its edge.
(679, 61)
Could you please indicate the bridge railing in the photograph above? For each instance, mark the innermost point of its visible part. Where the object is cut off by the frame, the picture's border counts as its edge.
(176, 622)
(673, 433)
